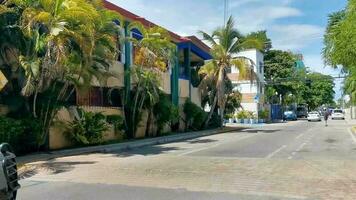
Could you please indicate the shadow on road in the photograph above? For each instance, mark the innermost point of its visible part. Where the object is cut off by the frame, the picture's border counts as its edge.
(260, 130)
(202, 141)
(146, 151)
(52, 167)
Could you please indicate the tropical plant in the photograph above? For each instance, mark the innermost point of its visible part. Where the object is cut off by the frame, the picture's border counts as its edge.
(154, 53)
(233, 102)
(244, 114)
(263, 114)
(88, 128)
(226, 42)
(117, 121)
(194, 115)
(339, 41)
(22, 134)
(69, 43)
(144, 95)
(165, 113)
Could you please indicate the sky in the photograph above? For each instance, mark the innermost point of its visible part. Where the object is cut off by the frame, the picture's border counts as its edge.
(295, 25)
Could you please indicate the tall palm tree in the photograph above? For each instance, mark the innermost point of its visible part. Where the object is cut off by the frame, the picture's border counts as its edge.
(226, 42)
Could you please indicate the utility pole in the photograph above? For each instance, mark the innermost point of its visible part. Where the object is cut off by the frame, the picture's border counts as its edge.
(226, 11)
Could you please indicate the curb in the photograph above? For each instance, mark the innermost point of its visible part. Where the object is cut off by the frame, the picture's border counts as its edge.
(352, 132)
(121, 146)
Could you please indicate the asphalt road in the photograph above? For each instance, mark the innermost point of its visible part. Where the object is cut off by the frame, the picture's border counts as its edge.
(295, 160)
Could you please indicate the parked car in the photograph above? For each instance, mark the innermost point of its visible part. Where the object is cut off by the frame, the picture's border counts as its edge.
(8, 173)
(314, 116)
(289, 116)
(337, 114)
(302, 112)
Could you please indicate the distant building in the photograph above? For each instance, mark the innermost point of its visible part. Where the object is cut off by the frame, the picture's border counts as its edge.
(252, 90)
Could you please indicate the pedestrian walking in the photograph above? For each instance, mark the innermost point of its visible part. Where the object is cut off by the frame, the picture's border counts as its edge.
(326, 117)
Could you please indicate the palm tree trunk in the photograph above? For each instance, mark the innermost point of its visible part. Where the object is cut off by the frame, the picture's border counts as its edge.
(212, 109)
(221, 116)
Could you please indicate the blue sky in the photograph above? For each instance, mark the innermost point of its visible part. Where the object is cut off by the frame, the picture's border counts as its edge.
(296, 25)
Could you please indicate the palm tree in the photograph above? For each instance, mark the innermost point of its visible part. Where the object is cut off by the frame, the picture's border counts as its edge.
(226, 42)
(69, 43)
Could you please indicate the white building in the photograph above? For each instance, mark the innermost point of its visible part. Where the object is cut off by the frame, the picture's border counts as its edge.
(252, 91)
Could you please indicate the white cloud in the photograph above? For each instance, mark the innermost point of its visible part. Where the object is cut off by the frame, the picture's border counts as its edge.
(239, 3)
(295, 36)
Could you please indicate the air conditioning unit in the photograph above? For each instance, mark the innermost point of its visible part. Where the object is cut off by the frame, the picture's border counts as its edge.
(8, 173)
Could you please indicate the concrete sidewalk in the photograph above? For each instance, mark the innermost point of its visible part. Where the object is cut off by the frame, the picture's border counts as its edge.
(122, 146)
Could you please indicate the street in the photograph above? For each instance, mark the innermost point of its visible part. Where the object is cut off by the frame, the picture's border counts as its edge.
(294, 160)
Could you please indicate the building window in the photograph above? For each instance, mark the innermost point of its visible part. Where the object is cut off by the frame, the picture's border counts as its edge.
(101, 97)
(261, 67)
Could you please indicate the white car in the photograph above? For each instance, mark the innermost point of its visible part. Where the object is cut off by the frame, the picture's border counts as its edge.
(314, 116)
(337, 114)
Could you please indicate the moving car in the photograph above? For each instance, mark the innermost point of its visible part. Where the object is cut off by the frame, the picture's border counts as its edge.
(8, 173)
(337, 114)
(289, 115)
(314, 116)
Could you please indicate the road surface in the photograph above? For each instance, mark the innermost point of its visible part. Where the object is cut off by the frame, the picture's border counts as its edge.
(294, 160)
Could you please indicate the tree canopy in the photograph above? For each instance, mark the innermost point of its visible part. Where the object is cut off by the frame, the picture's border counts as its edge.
(340, 45)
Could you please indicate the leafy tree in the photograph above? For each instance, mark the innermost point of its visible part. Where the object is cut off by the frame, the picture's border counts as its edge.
(226, 42)
(339, 41)
(280, 70)
(68, 43)
(320, 91)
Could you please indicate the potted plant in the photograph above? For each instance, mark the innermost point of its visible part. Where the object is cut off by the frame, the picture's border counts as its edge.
(253, 118)
(240, 117)
(229, 117)
(247, 117)
(263, 116)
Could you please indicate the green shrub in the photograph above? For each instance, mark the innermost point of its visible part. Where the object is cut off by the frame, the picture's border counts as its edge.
(165, 112)
(244, 114)
(263, 114)
(215, 121)
(88, 129)
(229, 116)
(23, 135)
(194, 115)
(117, 121)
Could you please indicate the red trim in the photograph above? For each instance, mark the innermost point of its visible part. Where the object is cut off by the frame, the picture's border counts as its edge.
(199, 43)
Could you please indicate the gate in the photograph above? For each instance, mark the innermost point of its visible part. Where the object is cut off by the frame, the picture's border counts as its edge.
(276, 112)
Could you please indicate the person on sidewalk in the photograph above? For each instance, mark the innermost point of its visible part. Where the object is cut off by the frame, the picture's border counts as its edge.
(326, 117)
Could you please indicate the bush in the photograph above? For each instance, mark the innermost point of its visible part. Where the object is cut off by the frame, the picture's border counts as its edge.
(23, 135)
(244, 114)
(165, 112)
(117, 121)
(215, 121)
(263, 114)
(194, 115)
(88, 129)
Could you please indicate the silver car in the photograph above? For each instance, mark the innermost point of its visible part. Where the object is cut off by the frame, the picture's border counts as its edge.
(337, 114)
(314, 116)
